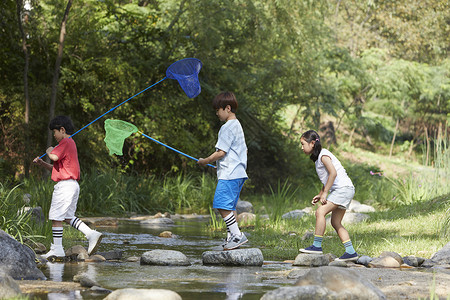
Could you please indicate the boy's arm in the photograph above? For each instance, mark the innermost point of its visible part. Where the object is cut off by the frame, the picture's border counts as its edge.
(42, 163)
(212, 158)
(53, 157)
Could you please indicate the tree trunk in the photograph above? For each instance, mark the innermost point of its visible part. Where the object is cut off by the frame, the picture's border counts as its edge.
(62, 35)
(411, 147)
(393, 139)
(26, 163)
(351, 136)
(427, 144)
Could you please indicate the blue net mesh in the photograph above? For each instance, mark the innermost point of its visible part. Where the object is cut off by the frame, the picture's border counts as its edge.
(186, 71)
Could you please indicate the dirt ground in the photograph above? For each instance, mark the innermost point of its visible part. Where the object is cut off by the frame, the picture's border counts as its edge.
(409, 284)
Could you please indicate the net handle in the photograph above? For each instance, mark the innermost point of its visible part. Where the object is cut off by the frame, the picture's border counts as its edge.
(111, 110)
(171, 148)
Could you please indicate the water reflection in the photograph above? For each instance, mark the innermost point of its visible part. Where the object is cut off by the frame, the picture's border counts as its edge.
(65, 296)
(56, 271)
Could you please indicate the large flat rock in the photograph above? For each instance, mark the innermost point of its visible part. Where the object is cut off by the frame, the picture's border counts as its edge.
(238, 257)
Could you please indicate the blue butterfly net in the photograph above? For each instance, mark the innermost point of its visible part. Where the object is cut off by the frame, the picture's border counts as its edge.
(186, 71)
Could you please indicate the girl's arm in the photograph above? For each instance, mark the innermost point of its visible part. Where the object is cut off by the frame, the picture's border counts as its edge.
(212, 158)
(322, 197)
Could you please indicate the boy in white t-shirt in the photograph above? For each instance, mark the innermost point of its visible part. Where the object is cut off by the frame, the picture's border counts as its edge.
(335, 196)
(231, 157)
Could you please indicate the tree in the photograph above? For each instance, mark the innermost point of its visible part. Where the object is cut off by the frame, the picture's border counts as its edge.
(62, 35)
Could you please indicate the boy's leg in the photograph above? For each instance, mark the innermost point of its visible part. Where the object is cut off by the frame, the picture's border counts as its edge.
(225, 200)
(229, 217)
(56, 248)
(94, 237)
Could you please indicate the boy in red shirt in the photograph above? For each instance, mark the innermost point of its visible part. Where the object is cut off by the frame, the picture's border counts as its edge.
(66, 173)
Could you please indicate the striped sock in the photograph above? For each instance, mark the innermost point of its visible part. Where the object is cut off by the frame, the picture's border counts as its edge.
(349, 247)
(318, 241)
(231, 223)
(57, 235)
(81, 226)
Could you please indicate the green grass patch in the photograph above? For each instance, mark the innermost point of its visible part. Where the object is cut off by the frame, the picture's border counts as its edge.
(408, 230)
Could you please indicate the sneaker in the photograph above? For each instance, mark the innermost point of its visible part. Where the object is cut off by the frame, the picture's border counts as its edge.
(225, 241)
(94, 240)
(348, 257)
(312, 250)
(55, 250)
(235, 241)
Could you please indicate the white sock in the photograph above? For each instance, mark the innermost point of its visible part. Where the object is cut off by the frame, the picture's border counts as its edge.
(57, 235)
(81, 226)
(231, 223)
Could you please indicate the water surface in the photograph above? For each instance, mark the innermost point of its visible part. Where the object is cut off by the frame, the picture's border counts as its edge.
(193, 282)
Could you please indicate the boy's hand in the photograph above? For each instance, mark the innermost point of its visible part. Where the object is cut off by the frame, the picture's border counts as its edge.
(38, 160)
(202, 162)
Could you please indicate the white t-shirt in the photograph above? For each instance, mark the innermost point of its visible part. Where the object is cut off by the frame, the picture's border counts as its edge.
(341, 179)
(232, 141)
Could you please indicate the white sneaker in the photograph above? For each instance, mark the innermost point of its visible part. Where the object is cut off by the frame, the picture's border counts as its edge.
(55, 250)
(235, 241)
(94, 240)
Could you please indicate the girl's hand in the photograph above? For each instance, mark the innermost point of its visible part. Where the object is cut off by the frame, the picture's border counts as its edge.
(322, 198)
(315, 199)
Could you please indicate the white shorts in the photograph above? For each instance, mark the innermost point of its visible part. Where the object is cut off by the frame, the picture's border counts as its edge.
(342, 196)
(64, 200)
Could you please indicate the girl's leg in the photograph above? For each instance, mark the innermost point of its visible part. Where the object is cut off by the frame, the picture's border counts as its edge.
(336, 219)
(321, 212)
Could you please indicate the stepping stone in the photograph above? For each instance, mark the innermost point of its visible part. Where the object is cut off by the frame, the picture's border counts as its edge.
(238, 257)
(164, 258)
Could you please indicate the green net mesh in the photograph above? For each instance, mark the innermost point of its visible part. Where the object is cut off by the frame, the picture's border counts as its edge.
(116, 133)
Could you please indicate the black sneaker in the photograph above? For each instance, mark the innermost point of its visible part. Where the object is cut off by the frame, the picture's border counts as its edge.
(348, 257)
(312, 250)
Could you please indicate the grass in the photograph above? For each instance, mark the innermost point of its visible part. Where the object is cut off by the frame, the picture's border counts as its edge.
(412, 215)
(407, 230)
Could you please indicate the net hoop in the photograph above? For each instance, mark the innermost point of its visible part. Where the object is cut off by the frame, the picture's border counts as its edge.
(185, 71)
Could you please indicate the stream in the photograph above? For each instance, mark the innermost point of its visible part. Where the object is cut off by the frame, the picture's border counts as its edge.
(197, 281)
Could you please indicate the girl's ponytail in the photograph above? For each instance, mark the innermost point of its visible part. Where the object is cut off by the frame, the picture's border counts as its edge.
(310, 136)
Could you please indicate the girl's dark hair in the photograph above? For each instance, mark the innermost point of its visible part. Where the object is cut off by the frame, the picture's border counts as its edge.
(62, 121)
(224, 99)
(310, 136)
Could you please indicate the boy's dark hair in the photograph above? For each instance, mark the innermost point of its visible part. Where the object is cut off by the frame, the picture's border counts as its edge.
(224, 99)
(62, 121)
(310, 136)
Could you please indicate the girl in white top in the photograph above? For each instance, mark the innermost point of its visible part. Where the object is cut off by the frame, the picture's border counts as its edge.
(335, 196)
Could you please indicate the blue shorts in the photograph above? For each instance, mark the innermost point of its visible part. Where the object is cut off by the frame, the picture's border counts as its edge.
(227, 193)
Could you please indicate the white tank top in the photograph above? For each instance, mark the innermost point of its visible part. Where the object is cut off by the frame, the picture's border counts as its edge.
(341, 179)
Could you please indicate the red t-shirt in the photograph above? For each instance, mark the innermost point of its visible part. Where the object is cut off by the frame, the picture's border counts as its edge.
(67, 166)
